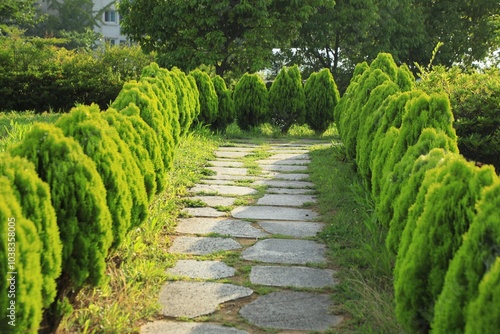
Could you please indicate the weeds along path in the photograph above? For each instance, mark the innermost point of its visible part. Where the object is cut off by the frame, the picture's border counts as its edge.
(249, 259)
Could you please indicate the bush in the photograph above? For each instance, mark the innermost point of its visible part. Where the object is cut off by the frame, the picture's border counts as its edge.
(187, 99)
(125, 193)
(79, 199)
(250, 101)
(322, 96)
(469, 266)
(209, 102)
(287, 99)
(475, 102)
(226, 113)
(131, 137)
(447, 213)
(19, 236)
(33, 195)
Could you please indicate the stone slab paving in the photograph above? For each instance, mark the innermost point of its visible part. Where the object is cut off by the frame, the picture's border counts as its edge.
(286, 251)
(291, 191)
(193, 299)
(231, 227)
(201, 269)
(223, 190)
(291, 310)
(225, 163)
(172, 327)
(285, 200)
(284, 168)
(286, 156)
(202, 245)
(229, 170)
(292, 228)
(204, 212)
(288, 176)
(284, 162)
(285, 183)
(298, 277)
(218, 182)
(231, 154)
(273, 213)
(214, 200)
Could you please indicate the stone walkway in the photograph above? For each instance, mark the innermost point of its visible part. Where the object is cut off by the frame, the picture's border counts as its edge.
(276, 278)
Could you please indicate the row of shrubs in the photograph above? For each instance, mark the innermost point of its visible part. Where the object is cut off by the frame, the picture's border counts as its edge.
(70, 191)
(440, 210)
(37, 74)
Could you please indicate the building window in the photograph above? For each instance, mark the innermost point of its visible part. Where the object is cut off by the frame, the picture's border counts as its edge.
(110, 16)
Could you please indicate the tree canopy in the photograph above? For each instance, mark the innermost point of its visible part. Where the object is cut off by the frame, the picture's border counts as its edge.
(236, 35)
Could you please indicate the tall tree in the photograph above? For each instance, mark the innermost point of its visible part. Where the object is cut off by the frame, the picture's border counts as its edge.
(18, 13)
(236, 35)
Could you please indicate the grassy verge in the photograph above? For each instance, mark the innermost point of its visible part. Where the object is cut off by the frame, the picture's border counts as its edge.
(136, 270)
(356, 245)
(14, 125)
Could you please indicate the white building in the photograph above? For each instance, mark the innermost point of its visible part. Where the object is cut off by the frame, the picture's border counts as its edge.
(109, 22)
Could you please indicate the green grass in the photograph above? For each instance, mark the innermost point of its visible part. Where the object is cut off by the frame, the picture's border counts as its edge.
(356, 245)
(259, 135)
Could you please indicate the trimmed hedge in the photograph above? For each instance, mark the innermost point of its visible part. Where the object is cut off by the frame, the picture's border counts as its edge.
(251, 101)
(321, 96)
(209, 102)
(287, 99)
(20, 250)
(227, 113)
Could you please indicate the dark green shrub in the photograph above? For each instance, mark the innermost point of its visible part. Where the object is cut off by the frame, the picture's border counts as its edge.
(20, 249)
(166, 97)
(250, 101)
(402, 176)
(209, 102)
(322, 96)
(79, 199)
(471, 262)
(142, 95)
(287, 99)
(447, 213)
(131, 137)
(226, 114)
(381, 153)
(475, 102)
(150, 143)
(125, 193)
(482, 314)
(34, 197)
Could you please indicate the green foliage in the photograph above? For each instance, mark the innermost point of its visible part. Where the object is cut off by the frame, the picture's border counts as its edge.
(79, 200)
(125, 193)
(209, 102)
(227, 113)
(36, 74)
(446, 215)
(475, 102)
(20, 273)
(322, 96)
(474, 259)
(33, 195)
(19, 13)
(287, 99)
(187, 99)
(132, 138)
(250, 101)
(482, 314)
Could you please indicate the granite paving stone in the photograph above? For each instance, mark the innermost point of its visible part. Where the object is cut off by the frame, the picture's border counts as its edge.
(299, 277)
(288, 176)
(284, 168)
(293, 156)
(285, 183)
(231, 154)
(202, 245)
(201, 269)
(204, 212)
(287, 251)
(285, 200)
(229, 170)
(291, 310)
(225, 163)
(292, 228)
(172, 327)
(283, 162)
(223, 190)
(214, 200)
(232, 227)
(218, 181)
(193, 299)
(273, 213)
(291, 191)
